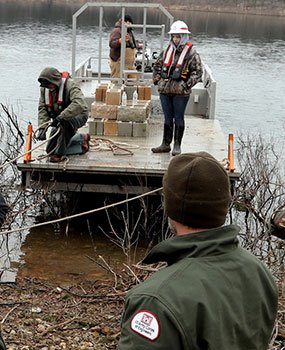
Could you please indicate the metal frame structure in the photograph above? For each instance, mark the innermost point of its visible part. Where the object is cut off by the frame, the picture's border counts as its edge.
(78, 72)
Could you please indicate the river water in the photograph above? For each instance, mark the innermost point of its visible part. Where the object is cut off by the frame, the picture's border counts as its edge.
(245, 53)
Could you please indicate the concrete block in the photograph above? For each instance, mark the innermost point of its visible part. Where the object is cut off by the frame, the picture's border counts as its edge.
(140, 129)
(136, 113)
(141, 92)
(91, 126)
(98, 95)
(99, 127)
(144, 92)
(104, 91)
(113, 97)
(101, 110)
(110, 128)
(147, 93)
(100, 92)
(125, 128)
(145, 105)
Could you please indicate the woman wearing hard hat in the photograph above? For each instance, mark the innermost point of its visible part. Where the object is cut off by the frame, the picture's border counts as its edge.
(175, 72)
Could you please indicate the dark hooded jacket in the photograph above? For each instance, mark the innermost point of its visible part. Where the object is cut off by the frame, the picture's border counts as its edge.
(114, 42)
(73, 99)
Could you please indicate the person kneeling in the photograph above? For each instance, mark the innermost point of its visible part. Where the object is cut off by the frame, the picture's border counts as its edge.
(63, 104)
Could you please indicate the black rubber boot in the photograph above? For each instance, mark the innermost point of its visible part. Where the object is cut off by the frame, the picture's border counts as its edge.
(167, 138)
(178, 134)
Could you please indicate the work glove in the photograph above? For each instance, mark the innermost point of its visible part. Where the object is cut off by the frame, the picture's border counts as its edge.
(56, 121)
(42, 135)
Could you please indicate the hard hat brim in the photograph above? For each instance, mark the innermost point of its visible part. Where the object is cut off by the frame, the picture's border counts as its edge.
(175, 32)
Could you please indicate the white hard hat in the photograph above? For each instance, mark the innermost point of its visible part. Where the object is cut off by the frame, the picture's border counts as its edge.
(179, 27)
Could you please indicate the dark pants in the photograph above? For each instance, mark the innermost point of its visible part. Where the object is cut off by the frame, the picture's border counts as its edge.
(68, 129)
(173, 107)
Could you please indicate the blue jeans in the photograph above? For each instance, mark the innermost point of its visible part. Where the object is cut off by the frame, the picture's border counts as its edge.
(173, 107)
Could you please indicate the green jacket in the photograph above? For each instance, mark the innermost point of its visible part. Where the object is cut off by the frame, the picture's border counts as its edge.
(73, 99)
(214, 295)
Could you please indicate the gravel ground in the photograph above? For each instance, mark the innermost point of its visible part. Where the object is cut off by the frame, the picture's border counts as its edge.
(37, 315)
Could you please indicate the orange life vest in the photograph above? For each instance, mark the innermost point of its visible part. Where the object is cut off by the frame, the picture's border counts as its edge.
(48, 94)
(168, 58)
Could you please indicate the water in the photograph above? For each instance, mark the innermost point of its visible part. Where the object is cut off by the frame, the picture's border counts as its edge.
(246, 55)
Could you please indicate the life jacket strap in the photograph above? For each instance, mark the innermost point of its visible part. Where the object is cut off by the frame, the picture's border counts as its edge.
(48, 95)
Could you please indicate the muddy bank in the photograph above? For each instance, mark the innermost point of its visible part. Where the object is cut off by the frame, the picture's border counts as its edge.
(256, 7)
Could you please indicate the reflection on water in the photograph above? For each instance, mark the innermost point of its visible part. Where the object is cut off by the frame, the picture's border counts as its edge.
(10, 250)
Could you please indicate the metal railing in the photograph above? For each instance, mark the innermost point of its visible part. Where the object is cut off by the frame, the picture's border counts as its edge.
(81, 71)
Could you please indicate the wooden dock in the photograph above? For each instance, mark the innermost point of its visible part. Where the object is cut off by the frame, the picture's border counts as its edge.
(101, 171)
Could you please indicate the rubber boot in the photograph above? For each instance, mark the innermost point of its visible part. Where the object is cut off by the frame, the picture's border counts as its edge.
(178, 134)
(167, 138)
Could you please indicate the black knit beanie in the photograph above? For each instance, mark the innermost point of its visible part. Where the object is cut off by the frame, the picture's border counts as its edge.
(128, 18)
(196, 190)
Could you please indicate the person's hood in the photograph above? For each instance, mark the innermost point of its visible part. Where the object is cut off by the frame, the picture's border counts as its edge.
(183, 40)
(52, 75)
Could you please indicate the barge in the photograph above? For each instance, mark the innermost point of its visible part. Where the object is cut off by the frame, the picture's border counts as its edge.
(118, 163)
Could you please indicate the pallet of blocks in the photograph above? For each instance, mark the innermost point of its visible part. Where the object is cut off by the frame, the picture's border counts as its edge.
(120, 111)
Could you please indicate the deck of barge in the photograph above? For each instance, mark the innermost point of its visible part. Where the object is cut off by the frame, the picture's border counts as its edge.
(103, 172)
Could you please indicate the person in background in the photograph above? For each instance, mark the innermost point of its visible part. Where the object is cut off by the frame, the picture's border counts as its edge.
(175, 72)
(3, 212)
(115, 42)
(213, 294)
(62, 102)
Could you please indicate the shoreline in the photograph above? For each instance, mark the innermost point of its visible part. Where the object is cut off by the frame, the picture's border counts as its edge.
(253, 11)
(239, 7)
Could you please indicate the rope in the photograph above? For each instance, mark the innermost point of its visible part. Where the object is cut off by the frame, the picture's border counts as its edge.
(118, 148)
(97, 144)
(34, 148)
(81, 214)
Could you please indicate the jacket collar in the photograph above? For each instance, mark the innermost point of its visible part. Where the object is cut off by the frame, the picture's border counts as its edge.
(206, 243)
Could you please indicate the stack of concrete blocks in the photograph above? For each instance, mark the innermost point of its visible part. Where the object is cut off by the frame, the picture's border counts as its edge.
(110, 118)
(133, 119)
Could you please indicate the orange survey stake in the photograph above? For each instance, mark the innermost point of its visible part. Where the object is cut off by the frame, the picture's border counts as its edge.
(231, 166)
(28, 153)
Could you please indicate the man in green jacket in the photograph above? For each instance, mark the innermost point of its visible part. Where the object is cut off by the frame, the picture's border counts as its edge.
(213, 295)
(62, 102)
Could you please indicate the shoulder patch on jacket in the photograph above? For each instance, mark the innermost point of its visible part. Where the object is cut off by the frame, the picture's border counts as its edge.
(146, 324)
